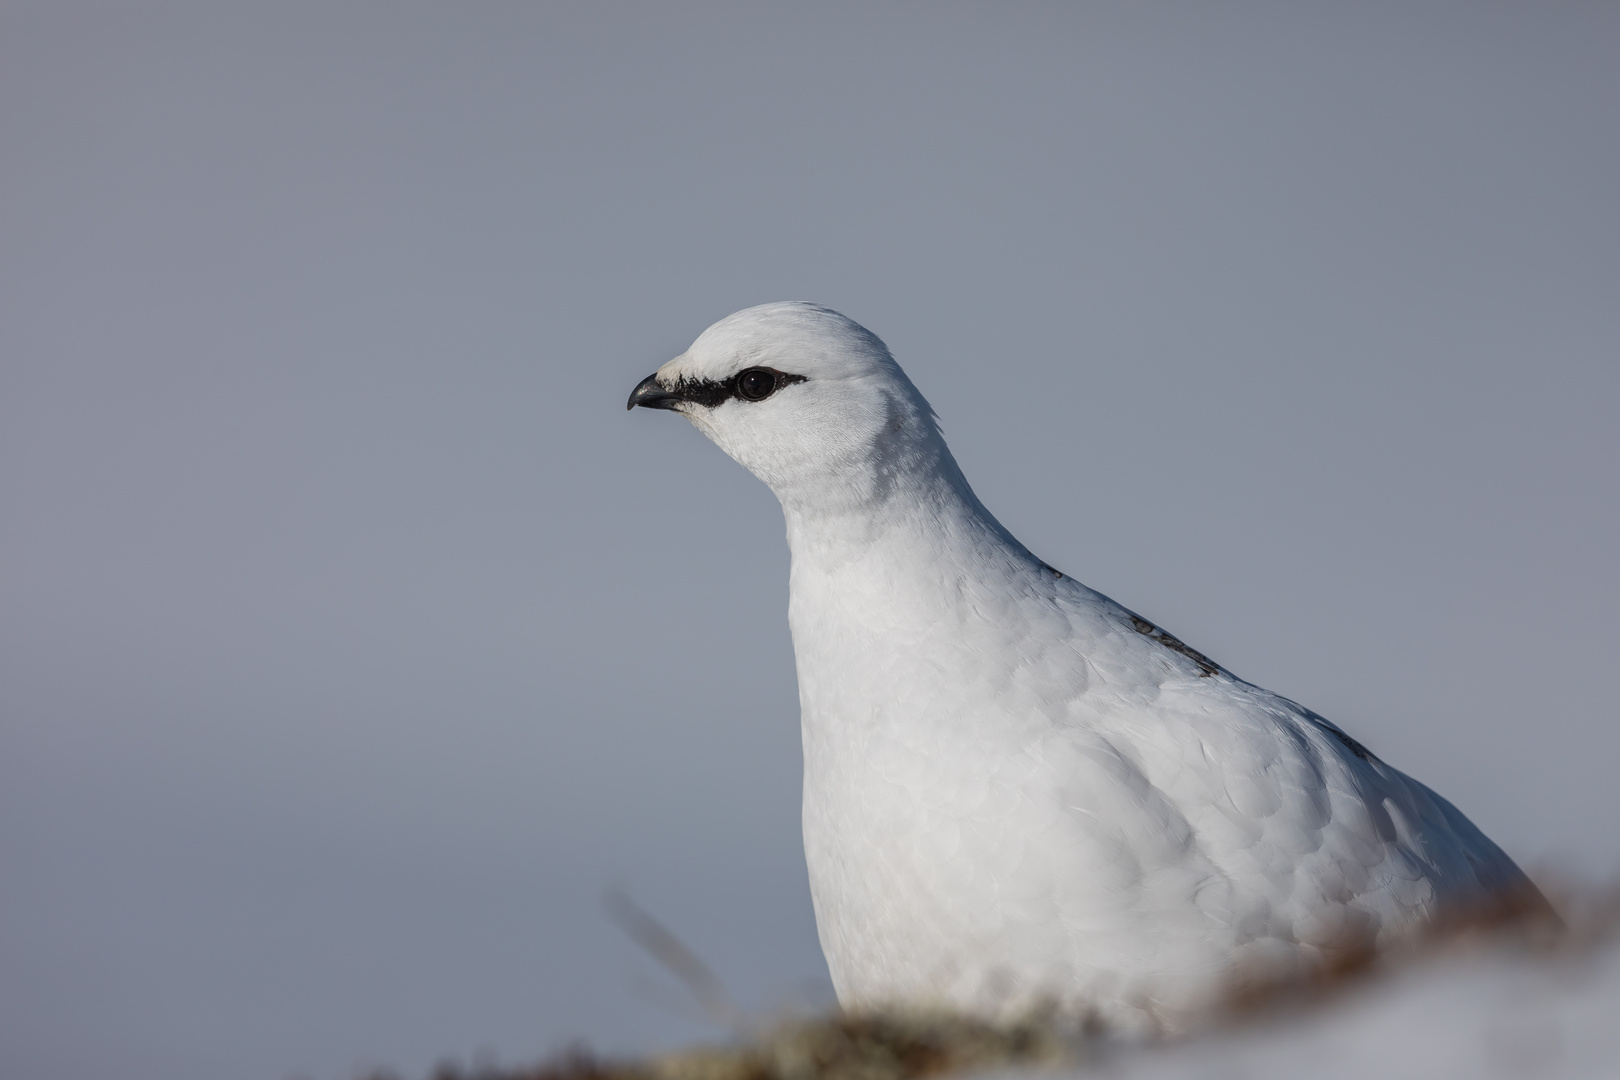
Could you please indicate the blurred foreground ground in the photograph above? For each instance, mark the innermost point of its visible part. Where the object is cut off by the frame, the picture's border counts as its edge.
(1506, 1005)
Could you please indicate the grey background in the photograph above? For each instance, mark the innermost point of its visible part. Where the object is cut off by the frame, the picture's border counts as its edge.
(355, 638)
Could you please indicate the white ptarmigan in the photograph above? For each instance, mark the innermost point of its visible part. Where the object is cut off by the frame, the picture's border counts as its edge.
(1018, 793)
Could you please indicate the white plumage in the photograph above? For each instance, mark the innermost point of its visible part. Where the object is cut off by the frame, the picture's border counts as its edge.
(1016, 791)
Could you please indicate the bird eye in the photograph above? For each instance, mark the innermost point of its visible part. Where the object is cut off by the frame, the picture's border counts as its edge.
(756, 384)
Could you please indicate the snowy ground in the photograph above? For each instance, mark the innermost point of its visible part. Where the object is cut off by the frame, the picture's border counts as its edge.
(1498, 1012)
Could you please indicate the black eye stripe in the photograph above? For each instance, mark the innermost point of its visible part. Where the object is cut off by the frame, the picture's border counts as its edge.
(710, 393)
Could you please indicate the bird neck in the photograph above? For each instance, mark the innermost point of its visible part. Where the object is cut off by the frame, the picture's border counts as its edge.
(919, 526)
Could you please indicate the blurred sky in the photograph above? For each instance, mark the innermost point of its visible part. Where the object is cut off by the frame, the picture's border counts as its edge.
(353, 638)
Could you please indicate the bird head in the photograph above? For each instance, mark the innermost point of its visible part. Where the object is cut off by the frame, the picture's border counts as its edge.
(806, 399)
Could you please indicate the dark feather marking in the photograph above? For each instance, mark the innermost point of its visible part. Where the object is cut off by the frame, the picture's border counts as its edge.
(709, 392)
(1349, 744)
(1206, 666)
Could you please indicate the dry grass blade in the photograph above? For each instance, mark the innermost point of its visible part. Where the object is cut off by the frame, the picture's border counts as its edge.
(662, 945)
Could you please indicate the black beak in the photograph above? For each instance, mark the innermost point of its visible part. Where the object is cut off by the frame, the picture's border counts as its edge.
(650, 395)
